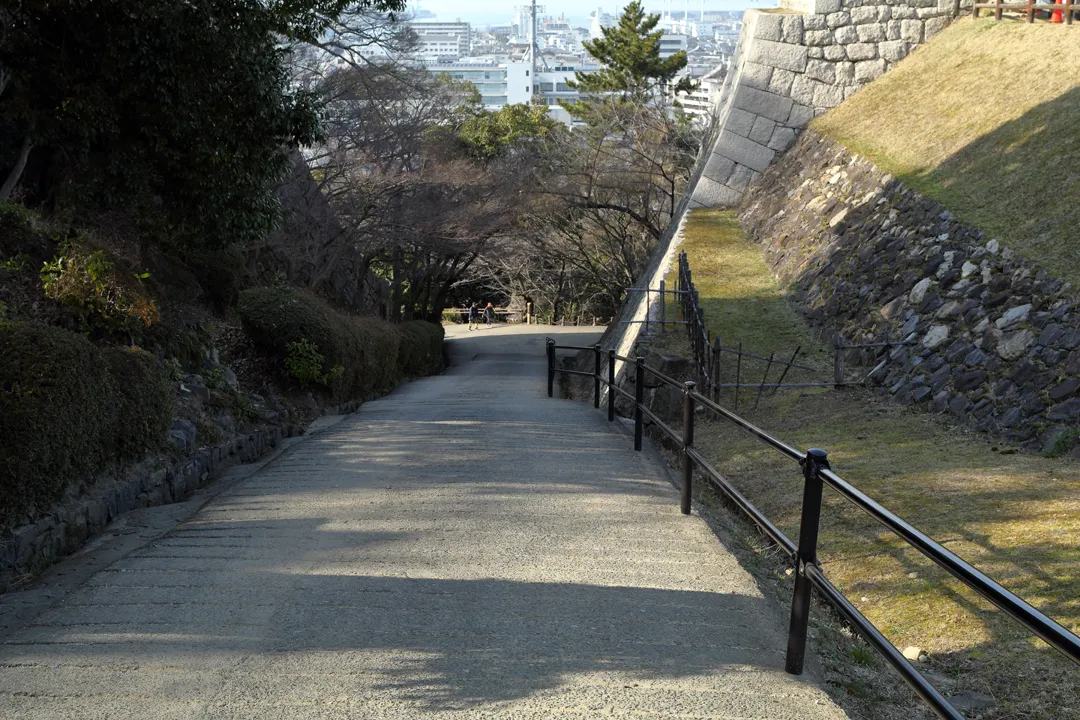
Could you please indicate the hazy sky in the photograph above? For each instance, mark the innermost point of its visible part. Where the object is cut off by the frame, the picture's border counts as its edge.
(483, 12)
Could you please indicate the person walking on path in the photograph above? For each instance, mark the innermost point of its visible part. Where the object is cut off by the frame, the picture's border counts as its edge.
(489, 314)
(473, 319)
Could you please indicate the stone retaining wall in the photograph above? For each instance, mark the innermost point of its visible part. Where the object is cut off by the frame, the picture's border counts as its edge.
(996, 340)
(790, 67)
(31, 547)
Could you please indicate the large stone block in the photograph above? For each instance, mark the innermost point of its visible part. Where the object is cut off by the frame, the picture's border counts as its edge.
(759, 102)
(793, 29)
(780, 55)
(814, 22)
(769, 26)
(846, 35)
(815, 53)
(762, 130)
(756, 75)
(718, 168)
(828, 96)
(709, 193)
(741, 178)
(821, 70)
(782, 138)
(845, 73)
(863, 15)
(903, 12)
(835, 52)
(739, 122)
(933, 26)
(800, 115)
(869, 70)
(871, 33)
(928, 12)
(818, 38)
(743, 151)
(838, 19)
(781, 81)
(802, 90)
(892, 30)
(912, 31)
(893, 50)
(861, 51)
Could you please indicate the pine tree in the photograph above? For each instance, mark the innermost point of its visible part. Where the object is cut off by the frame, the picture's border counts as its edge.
(630, 53)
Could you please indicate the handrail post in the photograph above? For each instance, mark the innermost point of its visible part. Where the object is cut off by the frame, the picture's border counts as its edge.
(639, 400)
(663, 312)
(687, 443)
(596, 375)
(551, 367)
(814, 461)
(611, 384)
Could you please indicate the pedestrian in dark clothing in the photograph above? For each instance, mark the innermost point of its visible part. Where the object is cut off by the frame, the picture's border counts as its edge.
(474, 316)
(489, 314)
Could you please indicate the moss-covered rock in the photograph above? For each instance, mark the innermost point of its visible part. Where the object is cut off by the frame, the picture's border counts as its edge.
(67, 408)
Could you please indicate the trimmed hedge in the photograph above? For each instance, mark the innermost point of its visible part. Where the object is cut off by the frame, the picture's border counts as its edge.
(67, 408)
(143, 398)
(420, 352)
(360, 355)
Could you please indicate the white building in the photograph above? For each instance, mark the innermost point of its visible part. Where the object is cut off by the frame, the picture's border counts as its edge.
(671, 44)
(499, 84)
(510, 83)
(440, 42)
(701, 102)
(600, 20)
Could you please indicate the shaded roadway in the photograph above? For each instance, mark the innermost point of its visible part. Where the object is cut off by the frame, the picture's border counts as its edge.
(462, 548)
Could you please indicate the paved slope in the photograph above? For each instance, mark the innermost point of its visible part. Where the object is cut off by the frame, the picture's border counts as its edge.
(463, 548)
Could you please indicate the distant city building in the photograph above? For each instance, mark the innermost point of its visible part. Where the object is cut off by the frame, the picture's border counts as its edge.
(701, 102)
(671, 44)
(499, 84)
(600, 20)
(440, 42)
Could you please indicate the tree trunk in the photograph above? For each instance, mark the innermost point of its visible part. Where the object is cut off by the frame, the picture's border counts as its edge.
(395, 287)
(17, 171)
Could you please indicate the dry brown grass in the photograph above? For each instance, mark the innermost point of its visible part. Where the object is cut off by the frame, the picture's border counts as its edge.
(1013, 515)
(984, 120)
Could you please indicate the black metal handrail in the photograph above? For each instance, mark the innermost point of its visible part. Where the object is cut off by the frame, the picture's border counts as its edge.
(816, 475)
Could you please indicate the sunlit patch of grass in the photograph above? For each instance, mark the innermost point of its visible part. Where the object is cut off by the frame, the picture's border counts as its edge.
(1015, 516)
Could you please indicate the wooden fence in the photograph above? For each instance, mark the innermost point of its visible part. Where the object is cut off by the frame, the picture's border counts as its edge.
(1062, 12)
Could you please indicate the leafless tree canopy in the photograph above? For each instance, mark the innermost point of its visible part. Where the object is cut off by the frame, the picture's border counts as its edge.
(567, 222)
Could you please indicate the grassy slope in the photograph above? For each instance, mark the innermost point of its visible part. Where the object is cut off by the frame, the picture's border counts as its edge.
(736, 291)
(984, 120)
(1015, 516)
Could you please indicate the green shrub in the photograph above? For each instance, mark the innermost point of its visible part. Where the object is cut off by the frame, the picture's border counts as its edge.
(67, 408)
(55, 392)
(305, 363)
(421, 347)
(144, 401)
(110, 298)
(359, 354)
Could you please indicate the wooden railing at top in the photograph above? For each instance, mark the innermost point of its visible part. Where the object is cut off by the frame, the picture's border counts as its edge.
(1068, 9)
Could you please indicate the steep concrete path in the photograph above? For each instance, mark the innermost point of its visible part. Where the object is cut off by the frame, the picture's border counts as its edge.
(463, 548)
